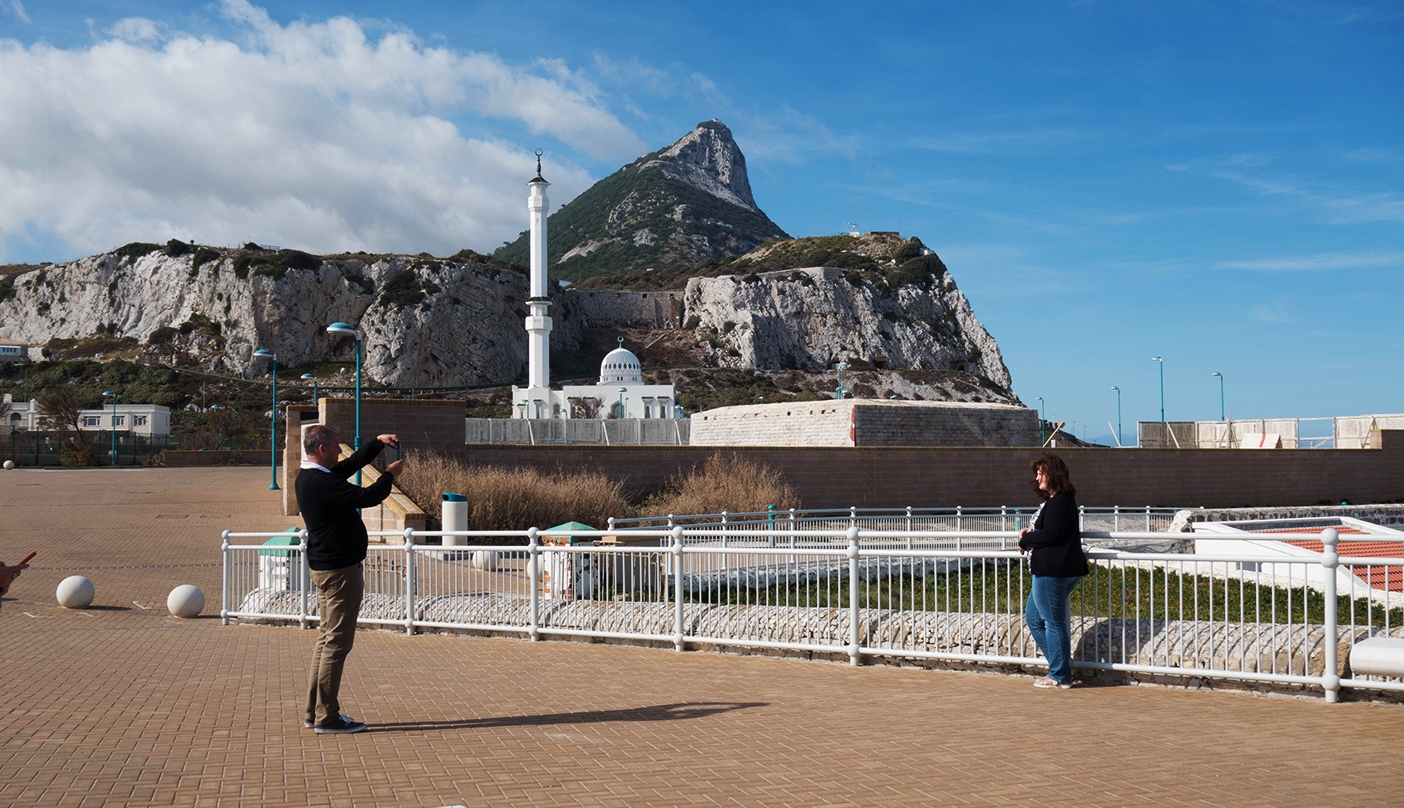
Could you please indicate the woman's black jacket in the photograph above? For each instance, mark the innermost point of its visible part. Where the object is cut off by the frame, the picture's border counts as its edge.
(1055, 542)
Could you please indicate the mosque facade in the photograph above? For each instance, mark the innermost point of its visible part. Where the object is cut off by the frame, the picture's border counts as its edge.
(620, 392)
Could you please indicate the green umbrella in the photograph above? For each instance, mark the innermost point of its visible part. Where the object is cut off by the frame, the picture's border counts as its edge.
(559, 529)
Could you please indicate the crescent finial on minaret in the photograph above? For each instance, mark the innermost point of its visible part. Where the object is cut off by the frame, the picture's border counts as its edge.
(538, 165)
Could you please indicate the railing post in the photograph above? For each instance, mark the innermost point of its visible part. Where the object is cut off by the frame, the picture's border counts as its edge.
(678, 644)
(1330, 677)
(409, 580)
(770, 522)
(909, 527)
(958, 519)
(1116, 518)
(853, 516)
(224, 595)
(304, 574)
(726, 560)
(534, 582)
(1147, 518)
(1081, 517)
(853, 629)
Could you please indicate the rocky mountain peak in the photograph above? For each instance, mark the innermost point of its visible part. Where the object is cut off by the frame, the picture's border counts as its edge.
(708, 159)
(683, 204)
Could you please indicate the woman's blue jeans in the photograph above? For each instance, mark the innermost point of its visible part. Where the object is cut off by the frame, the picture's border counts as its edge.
(1047, 616)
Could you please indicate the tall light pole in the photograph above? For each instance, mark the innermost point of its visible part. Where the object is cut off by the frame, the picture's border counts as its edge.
(1221, 396)
(1042, 438)
(113, 452)
(343, 328)
(273, 421)
(622, 391)
(842, 366)
(313, 379)
(1162, 386)
(1118, 415)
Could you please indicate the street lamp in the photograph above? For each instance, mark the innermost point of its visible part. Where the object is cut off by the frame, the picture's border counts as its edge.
(113, 452)
(1162, 386)
(1118, 415)
(343, 328)
(622, 391)
(842, 366)
(1221, 396)
(1041, 437)
(273, 421)
(314, 385)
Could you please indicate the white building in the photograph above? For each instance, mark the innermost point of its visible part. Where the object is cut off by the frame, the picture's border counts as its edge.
(620, 392)
(145, 420)
(11, 351)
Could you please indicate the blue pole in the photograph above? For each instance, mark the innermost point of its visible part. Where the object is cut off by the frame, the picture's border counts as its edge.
(114, 429)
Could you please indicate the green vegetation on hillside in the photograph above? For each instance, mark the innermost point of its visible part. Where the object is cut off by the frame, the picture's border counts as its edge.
(637, 198)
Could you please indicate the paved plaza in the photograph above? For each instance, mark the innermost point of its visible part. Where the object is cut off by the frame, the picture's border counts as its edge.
(123, 704)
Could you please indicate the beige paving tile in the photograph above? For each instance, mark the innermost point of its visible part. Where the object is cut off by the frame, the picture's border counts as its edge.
(128, 706)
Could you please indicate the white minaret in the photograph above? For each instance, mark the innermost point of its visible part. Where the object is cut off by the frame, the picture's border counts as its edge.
(538, 325)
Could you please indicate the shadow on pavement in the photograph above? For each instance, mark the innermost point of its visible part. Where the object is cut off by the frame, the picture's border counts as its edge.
(659, 712)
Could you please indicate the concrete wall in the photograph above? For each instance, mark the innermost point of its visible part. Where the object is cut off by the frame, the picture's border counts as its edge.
(604, 308)
(897, 477)
(865, 422)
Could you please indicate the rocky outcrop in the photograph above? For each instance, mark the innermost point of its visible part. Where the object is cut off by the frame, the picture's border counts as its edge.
(817, 317)
(426, 321)
(686, 203)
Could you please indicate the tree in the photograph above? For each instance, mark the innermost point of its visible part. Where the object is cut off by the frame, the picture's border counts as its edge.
(63, 413)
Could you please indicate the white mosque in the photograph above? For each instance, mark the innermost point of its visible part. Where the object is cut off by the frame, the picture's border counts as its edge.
(620, 392)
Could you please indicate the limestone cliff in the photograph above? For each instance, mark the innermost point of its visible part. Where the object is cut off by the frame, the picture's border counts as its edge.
(817, 317)
(426, 321)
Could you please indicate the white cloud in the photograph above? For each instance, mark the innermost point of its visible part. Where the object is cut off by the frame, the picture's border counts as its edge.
(1319, 262)
(134, 29)
(16, 8)
(307, 135)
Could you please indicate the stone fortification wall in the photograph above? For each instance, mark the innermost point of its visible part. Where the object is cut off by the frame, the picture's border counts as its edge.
(861, 422)
(606, 308)
(809, 423)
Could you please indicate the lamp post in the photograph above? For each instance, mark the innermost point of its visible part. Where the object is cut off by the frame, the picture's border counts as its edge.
(622, 391)
(113, 451)
(343, 328)
(841, 367)
(313, 379)
(1041, 437)
(1222, 417)
(1118, 415)
(1162, 386)
(273, 422)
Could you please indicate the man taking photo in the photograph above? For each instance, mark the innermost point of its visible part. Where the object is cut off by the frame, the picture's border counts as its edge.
(336, 548)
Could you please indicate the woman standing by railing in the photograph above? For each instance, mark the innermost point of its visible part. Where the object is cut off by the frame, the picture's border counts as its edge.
(1054, 545)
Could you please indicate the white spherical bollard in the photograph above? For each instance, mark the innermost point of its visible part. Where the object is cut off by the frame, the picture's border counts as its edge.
(186, 600)
(485, 560)
(75, 592)
(9, 464)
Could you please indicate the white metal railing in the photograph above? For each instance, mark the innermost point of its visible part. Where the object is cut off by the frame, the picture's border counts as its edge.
(952, 595)
(1002, 518)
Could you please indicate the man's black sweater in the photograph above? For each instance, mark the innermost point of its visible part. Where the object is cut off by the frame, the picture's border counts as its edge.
(1055, 542)
(336, 536)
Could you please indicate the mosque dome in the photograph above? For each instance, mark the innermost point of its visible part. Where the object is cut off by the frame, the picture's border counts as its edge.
(620, 366)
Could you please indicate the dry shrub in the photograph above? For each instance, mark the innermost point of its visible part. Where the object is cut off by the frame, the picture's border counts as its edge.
(724, 483)
(511, 498)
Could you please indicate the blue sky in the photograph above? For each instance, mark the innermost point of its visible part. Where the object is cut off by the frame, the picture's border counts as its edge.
(1220, 184)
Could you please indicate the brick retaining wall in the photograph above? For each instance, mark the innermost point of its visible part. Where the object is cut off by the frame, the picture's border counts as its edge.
(897, 477)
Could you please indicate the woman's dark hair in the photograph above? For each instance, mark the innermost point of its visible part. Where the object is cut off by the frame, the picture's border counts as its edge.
(1056, 472)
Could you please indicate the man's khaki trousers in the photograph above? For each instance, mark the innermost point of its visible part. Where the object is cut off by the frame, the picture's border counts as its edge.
(339, 594)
